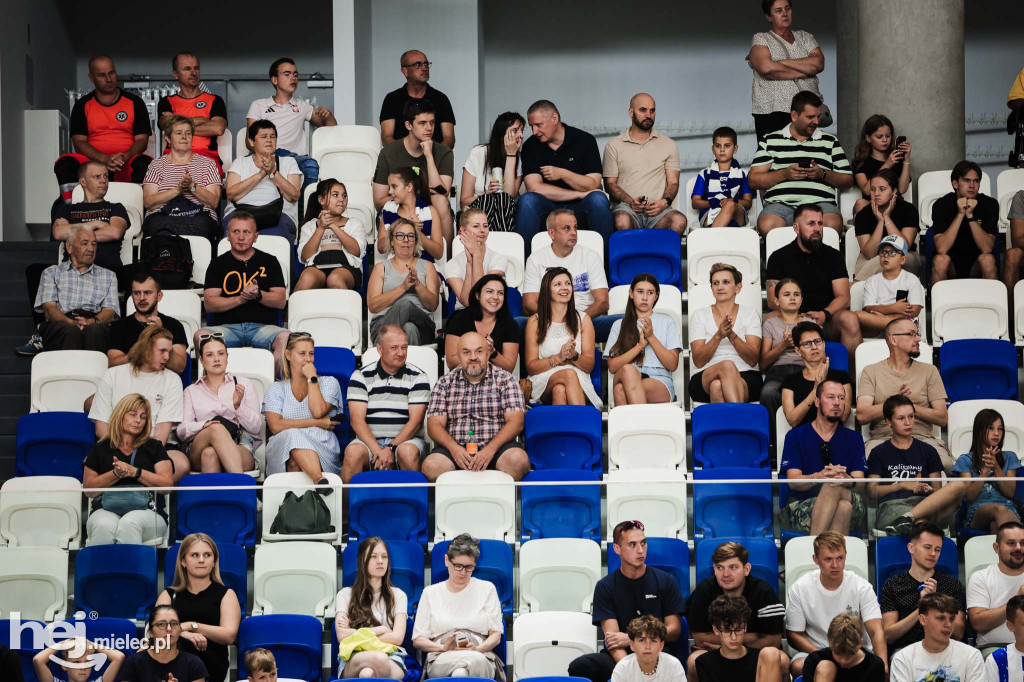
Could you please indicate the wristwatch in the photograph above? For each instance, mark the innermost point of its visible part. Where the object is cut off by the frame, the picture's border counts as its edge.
(272, 174)
(314, 380)
(138, 473)
(195, 626)
(259, 295)
(192, 188)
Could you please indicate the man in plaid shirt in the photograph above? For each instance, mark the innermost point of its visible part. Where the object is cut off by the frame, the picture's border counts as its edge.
(477, 403)
(78, 297)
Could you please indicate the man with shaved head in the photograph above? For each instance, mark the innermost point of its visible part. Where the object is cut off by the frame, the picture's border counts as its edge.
(416, 70)
(641, 173)
(475, 415)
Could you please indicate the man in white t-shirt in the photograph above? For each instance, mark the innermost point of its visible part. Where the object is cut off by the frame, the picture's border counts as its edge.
(819, 596)
(991, 587)
(937, 656)
(893, 293)
(1007, 663)
(290, 114)
(589, 282)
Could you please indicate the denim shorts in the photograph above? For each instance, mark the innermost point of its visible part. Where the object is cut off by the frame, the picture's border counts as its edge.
(785, 211)
(248, 334)
(643, 220)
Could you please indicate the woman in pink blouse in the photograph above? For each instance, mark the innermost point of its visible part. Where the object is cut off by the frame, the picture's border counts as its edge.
(222, 418)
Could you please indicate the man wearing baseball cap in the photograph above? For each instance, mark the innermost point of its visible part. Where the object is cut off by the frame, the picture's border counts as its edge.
(891, 294)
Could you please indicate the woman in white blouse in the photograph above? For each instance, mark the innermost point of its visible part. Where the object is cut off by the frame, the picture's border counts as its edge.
(493, 173)
(726, 344)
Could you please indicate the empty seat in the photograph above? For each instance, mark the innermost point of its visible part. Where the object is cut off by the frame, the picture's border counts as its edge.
(422, 357)
(278, 247)
(800, 552)
(730, 434)
(294, 640)
(391, 510)
(405, 560)
(561, 511)
(892, 557)
(782, 236)
(564, 437)
(671, 555)
(234, 569)
(647, 437)
(493, 565)
(63, 379)
(278, 485)
(558, 574)
(481, 503)
(41, 511)
(631, 252)
(118, 581)
(732, 509)
(227, 516)
(53, 443)
(657, 497)
(739, 248)
(968, 309)
(295, 577)
(511, 246)
(334, 317)
(979, 369)
(34, 582)
(764, 558)
(588, 238)
(546, 643)
(960, 424)
(978, 554)
(346, 152)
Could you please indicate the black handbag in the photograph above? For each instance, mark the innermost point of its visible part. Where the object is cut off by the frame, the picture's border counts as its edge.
(267, 215)
(305, 514)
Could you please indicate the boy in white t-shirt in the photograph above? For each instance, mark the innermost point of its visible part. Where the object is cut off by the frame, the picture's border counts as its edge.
(937, 656)
(990, 588)
(648, 663)
(891, 294)
(1007, 663)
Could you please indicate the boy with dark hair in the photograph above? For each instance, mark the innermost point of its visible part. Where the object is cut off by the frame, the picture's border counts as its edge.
(844, 660)
(647, 662)
(733, 660)
(937, 657)
(721, 193)
(1007, 663)
(965, 228)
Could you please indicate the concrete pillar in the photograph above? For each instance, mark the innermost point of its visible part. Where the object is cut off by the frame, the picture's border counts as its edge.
(352, 48)
(912, 70)
(847, 55)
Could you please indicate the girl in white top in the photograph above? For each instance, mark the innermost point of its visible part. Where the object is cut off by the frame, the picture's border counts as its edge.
(331, 244)
(726, 344)
(373, 602)
(475, 260)
(560, 345)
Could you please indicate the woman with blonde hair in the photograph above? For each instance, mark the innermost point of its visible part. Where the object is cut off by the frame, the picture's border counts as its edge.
(403, 290)
(465, 268)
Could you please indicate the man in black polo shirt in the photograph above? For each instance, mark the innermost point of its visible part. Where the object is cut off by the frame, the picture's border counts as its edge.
(965, 228)
(732, 577)
(416, 70)
(244, 293)
(634, 590)
(821, 273)
(146, 295)
(562, 169)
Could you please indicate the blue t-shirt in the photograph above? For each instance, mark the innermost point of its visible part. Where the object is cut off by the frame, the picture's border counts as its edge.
(920, 460)
(989, 492)
(803, 451)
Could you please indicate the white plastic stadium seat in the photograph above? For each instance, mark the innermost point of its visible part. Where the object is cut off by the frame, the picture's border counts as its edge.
(41, 511)
(847, 200)
(588, 238)
(299, 578)
(978, 554)
(647, 437)
(546, 643)
(274, 489)
(481, 503)
(935, 184)
(333, 316)
(240, 148)
(684, 204)
(63, 379)
(782, 236)
(700, 296)
(202, 254)
(360, 207)
(509, 245)
(782, 427)
(1018, 311)
(278, 247)
(961, 423)
(670, 302)
(346, 152)
(423, 357)
(968, 309)
(658, 496)
(1008, 183)
(226, 149)
(558, 574)
(851, 250)
(737, 247)
(130, 196)
(34, 582)
(799, 551)
(181, 304)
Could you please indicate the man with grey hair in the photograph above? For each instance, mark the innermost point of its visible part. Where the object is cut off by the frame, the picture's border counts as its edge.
(475, 414)
(416, 70)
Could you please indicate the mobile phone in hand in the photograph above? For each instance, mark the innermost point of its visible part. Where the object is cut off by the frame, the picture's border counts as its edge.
(805, 164)
(902, 294)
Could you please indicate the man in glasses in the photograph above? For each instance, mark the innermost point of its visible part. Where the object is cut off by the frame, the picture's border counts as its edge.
(901, 373)
(633, 590)
(824, 449)
(416, 70)
(893, 293)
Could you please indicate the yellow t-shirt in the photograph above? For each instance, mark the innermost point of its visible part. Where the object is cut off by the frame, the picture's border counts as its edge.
(1017, 90)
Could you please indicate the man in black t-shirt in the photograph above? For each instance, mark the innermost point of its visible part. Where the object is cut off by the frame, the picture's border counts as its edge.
(764, 622)
(416, 70)
(965, 228)
(245, 292)
(146, 295)
(635, 589)
(734, 659)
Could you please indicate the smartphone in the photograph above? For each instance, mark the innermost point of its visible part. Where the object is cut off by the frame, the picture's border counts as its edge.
(643, 199)
(901, 294)
(461, 641)
(805, 164)
(900, 140)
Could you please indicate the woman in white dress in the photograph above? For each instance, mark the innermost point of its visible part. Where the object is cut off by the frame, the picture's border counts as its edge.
(560, 345)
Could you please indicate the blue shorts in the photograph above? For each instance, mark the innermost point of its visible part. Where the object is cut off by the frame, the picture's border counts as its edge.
(248, 334)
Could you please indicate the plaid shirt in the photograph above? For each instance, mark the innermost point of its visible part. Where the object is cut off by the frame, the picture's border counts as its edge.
(92, 290)
(479, 407)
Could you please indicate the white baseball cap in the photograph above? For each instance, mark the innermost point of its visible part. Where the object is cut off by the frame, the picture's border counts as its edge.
(895, 241)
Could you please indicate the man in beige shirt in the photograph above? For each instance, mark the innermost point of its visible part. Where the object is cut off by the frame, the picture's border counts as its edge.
(641, 173)
(901, 373)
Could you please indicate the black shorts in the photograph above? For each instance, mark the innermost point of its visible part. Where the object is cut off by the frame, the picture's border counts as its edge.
(751, 377)
(357, 275)
(493, 464)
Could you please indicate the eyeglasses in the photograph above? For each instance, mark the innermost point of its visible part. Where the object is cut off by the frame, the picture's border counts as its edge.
(826, 454)
(210, 335)
(737, 632)
(916, 335)
(299, 335)
(462, 568)
(812, 343)
(164, 624)
(404, 236)
(889, 253)
(416, 65)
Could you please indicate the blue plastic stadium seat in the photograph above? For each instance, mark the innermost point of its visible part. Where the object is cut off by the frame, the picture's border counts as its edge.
(119, 631)
(22, 643)
(396, 512)
(730, 435)
(562, 511)
(892, 557)
(564, 437)
(494, 565)
(117, 581)
(53, 444)
(732, 509)
(596, 374)
(295, 642)
(339, 363)
(764, 558)
(227, 516)
(979, 369)
(631, 252)
(234, 568)
(838, 356)
(406, 560)
(671, 555)
(515, 302)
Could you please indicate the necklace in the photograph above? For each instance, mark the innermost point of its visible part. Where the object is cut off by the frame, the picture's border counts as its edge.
(650, 674)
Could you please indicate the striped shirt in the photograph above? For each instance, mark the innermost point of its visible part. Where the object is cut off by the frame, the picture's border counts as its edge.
(779, 150)
(92, 290)
(388, 397)
(478, 407)
(1005, 665)
(166, 175)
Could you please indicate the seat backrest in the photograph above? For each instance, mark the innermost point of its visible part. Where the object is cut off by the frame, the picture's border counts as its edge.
(228, 516)
(422, 357)
(968, 309)
(561, 511)
(41, 511)
(183, 305)
(274, 489)
(278, 247)
(202, 254)
(646, 436)
(240, 148)
(847, 199)
(233, 563)
(295, 577)
(226, 149)
(631, 252)
(255, 364)
(700, 296)
(53, 443)
(393, 511)
(129, 195)
(892, 557)
(727, 508)
(979, 368)
(1008, 183)
(118, 581)
(588, 238)
(781, 236)
(294, 640)
(851, 249)
(730, 434)
(671, 555)
(481, 503)
(871, 351)
(333, 316)
(658, 496)
(34, 582)
(683, 204)
(558, 574)
(738, 247)
(405, 560)
(63, 379)
(961, 424)
(493, 565)
(564, 437)
(670, 302)
(799, 551)
(346, 151)
(546, 643)
(978, 553)
(857, 295)
(935, 184)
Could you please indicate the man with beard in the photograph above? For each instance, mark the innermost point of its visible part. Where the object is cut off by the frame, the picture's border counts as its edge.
(146, 295)
(965, 226)
(990, 588)
(797, 165)
(474, 417)
(641, 173)
(207, 111)
(900, 373)
(824, 449)
(821, 272)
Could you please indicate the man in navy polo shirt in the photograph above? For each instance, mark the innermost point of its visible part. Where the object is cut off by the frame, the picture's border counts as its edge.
(562, 169)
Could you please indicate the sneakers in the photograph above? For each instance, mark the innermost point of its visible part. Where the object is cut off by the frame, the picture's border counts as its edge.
(34, 345)
(901, 526)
